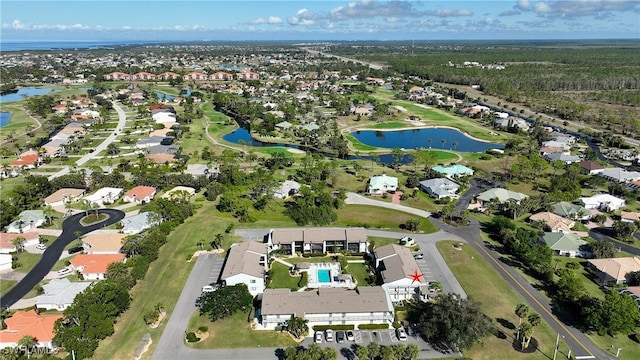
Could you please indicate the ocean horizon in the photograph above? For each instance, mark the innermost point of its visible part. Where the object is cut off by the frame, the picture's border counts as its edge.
(68, 44)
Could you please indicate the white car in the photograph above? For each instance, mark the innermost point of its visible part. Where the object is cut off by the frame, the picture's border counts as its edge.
(64, 272)
(402, 335)
(328, 335)
(41, 247)
(318, 337)
(208, 288)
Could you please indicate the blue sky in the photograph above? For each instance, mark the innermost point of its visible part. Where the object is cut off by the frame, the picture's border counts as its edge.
(55, 20)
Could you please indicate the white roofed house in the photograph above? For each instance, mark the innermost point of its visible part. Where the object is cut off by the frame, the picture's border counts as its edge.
(381, 184)
(400, 274)
(105, 195)
(59, 294)
(286, 189)
(327, 306)
(139, 223)
(27, 220)
(619, 175)
(246, 264)
(440, 188)
(603, 202)
(318, 240)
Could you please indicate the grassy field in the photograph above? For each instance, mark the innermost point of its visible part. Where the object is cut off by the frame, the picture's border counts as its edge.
(172, 265)
(390, 125)
(376, 217)
(236, 332)
(280, 278)
(482, 284)
(6, 285)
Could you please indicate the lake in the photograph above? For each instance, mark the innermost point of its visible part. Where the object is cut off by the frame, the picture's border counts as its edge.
(419, 138)
(4, 118)
(26, 91)
(243, 137)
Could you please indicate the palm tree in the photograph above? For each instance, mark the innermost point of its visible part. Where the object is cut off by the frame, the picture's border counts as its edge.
(527, 332)
(455, 145)
(430, 141)
(297, 326)
(443, 141)
(522, 310)
(19, 243)
(27, 342)
(217, 241)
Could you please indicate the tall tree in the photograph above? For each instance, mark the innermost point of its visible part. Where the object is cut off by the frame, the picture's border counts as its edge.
(451, 321)
(522, 310)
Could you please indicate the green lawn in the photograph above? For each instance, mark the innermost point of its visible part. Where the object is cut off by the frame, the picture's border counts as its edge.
(6, 285)
(359, 272)
(390, 125)
(28, 261)
(171, 264)
(377, 217)
(280, 278)
(497, 300)
(236, 332)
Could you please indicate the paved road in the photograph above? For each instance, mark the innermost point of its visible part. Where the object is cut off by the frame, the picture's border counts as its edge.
(122, 121)
(353, 198)
(606, 233)
(54, 251)
(579, 344)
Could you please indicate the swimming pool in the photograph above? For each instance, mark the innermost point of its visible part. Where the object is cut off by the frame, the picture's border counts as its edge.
(324, 276)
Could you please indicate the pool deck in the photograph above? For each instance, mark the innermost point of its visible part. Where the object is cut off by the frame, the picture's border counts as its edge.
(334, 271)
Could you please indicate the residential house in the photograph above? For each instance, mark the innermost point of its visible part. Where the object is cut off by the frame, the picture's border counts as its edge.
(629, 216)
(502, 195)
(168, 75)
(195, 76)
(327, 306)
(179, 191)
(555, 223)
(28, 160)
(64, 196)
(591, 167)
(565, 158)
(117, 75)
(619, 175)
(559, 144)
(615, 270)
(395, 264)
(381, 184)
(221, 76)
(139, 223)
(247, 75)
(140, 195)
(105, 195)
(286, 189)
(604, 202)
(566, 244)
(27, 220)
(94, 266)
(144, 76)
(58, 294)
(6, 262)
(512, 122)
(7, 246)
(109, 243)
(24, 323)
(318, 240)
(246, 263)
(570, 211)
(453, 171)
(164, 149)
(151, 141)
(283, 125)
(439, 188)
(548, 150)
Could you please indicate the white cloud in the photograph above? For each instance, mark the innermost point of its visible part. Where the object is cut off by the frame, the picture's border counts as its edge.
(542, 7)
(575, 8)
(453, 12)
(510, 13)
(274, 20)
(257, 21)
(392, 19)
(523, 5)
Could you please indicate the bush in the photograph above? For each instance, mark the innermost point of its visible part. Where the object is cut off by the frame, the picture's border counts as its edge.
(16, 264)
(191, 337)
(373, 326)
(303, 280)
(333, 327)
(150, 317)
(203, 329)
(572, 265)
(189, 256)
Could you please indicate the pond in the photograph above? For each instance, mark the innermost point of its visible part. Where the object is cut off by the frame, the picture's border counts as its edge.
(424, 138)
(4, 118)
(25, 91)
(165, 96)
(243, 137)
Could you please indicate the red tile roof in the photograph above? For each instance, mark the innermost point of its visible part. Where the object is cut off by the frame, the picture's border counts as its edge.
(95, 263)
(141, 192)
(29, 323)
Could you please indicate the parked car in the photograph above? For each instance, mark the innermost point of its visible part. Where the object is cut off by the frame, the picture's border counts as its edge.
(418, 256)
(402, 335)
(208, 288)
(350, 335)
(75, 249)
(63, 272)
(318, 337)
(407, 241)
(41, 247)
(328, 335)
(340, 337)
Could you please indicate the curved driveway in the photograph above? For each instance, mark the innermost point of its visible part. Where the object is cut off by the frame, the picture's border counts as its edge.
(53, 252)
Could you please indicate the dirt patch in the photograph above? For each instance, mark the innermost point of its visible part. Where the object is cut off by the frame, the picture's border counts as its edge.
(197, 253)
(295, 151)
(143, 346)
(160, 318)
(202, 335)
(533, 346)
